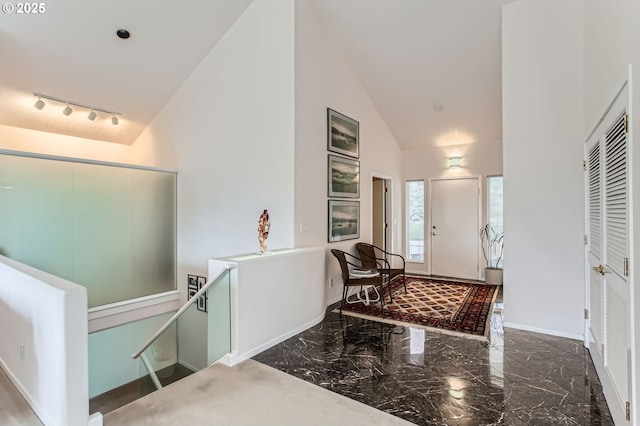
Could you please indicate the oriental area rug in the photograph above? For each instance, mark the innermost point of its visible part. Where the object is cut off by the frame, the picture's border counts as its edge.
(451, 307)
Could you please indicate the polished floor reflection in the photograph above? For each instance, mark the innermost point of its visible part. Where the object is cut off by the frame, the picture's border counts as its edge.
(428, 378)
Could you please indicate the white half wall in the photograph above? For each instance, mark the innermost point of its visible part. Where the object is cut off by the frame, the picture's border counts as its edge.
(43, 347)
(478, 159)
(324, 79)
(273, 297)
(542, 156)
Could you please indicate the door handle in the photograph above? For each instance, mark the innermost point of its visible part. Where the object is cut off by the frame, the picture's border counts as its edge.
(599, 269)
(434, 233)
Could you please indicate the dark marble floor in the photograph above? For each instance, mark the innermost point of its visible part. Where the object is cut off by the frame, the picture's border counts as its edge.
(517, 378)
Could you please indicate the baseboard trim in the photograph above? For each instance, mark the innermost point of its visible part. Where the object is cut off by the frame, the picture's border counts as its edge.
(234, 358)
(334, 300)
(42, 415)
(556, 333)
(187, 365)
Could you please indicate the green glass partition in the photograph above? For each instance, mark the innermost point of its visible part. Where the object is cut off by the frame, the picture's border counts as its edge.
(109, 228)
(219, 318)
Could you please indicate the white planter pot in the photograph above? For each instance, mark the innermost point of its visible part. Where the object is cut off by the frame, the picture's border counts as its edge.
(493, 276)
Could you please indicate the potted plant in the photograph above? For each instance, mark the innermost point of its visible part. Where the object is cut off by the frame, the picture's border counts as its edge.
(492, 249)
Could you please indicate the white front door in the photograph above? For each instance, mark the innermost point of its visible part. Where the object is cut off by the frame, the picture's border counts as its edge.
(455, 227)
(608, 281)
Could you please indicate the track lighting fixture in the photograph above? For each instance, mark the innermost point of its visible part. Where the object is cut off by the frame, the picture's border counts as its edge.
(93, 111)
(39, 104)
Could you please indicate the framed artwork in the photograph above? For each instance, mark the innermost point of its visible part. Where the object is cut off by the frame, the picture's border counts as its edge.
(203, 301)
(194, 284)
(343, 177)
(343, 134)
(344, 220)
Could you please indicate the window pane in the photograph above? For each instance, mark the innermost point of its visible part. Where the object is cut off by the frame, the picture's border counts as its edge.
(494, 190)
(415, 221)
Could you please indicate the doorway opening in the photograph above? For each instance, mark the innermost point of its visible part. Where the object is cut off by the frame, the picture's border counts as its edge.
(380, 212)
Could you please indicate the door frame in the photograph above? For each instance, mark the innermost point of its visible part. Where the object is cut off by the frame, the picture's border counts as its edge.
(388, 201)
(430, 224)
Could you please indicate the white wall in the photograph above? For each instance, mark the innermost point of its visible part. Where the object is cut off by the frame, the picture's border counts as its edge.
(229, 130)
(608, 49)
(26, 140)
(542, 155)
(611, 32)
(48, 317)
(324, 80)
(479, 159)
(110, 362)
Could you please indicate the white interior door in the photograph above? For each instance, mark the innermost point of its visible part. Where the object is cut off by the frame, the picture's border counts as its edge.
(608, 292)
(455, 227)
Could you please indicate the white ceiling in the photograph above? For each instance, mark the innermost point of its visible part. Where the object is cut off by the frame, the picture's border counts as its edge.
(413, 54)
(71, 51)
(409, 54)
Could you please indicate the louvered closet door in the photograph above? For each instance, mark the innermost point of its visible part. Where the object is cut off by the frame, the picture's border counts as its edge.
(608, 255)
(595, 279)
(616, 255)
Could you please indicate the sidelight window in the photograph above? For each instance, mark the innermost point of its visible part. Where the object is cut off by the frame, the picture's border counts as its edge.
(494, 194)
(415, 221)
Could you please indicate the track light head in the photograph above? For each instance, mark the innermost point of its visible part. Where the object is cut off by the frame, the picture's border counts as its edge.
(39, 104)
(93, 111)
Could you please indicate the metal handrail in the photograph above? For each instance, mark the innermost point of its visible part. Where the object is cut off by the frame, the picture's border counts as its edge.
(171, 320)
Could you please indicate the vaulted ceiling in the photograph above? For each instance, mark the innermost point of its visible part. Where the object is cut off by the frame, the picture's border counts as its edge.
(71, 51)
(432, 67)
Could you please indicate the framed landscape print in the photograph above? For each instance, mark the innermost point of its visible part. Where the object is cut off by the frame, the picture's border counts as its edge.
(344, 220)
(342, 134)
(343, 177)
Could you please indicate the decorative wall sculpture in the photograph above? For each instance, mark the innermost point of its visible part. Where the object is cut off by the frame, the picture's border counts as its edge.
(263, 230)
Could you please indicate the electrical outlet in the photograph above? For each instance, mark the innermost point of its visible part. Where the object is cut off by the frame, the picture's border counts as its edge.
(22, 352)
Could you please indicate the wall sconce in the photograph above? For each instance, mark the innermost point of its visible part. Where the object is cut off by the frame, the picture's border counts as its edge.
(454, 162)
(39, 105)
